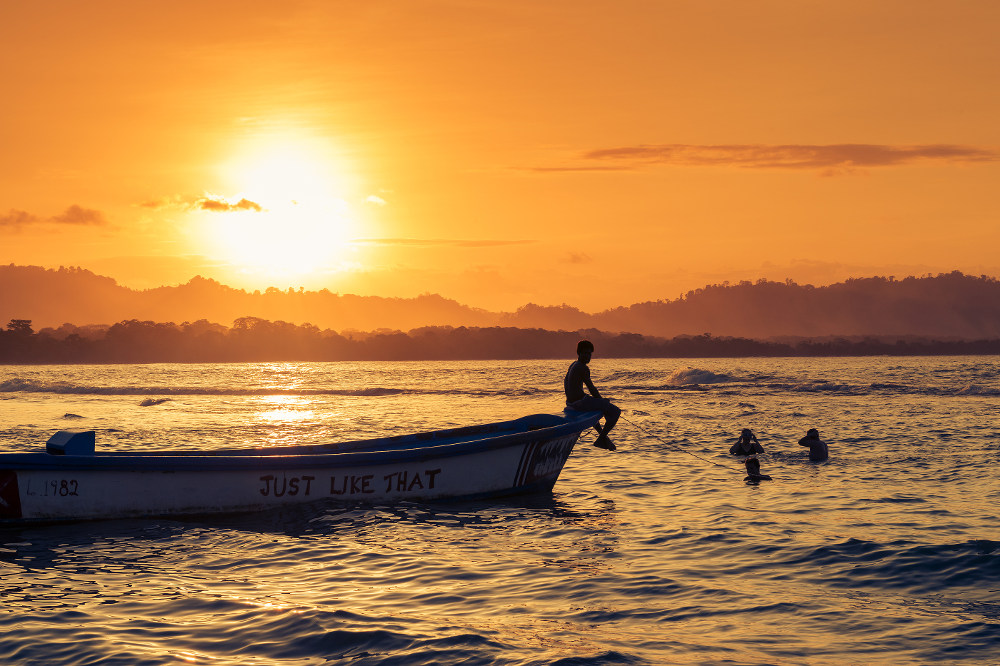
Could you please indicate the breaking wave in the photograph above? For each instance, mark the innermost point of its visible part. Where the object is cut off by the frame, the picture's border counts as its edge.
(685, 376)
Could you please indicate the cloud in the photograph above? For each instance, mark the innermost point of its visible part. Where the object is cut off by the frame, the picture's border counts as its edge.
(578, 258)
(219, 204)
(438, 242)
(17, 219)
(78, 215)
(74, 215)
(211, 202)
(165, 203)
(756, 156)
(378, 201)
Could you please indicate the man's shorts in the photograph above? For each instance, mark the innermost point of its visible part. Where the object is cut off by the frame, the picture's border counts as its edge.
(591, 404)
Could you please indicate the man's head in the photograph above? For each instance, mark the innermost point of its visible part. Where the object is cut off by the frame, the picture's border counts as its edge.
(584, 347)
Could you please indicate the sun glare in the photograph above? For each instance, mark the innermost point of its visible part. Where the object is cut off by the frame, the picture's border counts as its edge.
(287, 217)
(285, 173)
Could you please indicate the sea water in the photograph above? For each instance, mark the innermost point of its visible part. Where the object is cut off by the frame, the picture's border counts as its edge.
(657, 553)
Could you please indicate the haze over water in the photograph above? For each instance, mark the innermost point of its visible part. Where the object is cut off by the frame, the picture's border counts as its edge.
(657, 553)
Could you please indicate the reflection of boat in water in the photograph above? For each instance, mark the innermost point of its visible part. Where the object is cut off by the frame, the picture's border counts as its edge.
(72, 481)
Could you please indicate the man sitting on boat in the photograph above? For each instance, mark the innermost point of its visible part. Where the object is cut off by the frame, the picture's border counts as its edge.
(577, 377)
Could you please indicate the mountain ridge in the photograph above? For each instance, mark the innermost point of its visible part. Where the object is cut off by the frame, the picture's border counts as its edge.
(948, 305)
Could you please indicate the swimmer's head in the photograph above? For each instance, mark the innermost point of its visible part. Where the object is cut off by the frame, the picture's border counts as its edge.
(746, 432)
(812, 432)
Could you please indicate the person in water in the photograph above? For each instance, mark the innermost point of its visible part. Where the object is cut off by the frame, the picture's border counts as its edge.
(818, 450)
(746, 444)
(577, 399)
(753, 471)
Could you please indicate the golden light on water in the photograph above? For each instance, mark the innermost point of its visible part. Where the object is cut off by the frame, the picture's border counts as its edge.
(286, 409)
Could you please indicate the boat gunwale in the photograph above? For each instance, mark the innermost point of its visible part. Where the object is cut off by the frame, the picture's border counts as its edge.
(405, 448)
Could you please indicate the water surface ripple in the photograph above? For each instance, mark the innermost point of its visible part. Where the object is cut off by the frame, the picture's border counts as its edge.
(658, 553)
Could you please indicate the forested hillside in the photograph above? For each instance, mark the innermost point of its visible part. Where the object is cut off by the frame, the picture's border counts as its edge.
(950, 305)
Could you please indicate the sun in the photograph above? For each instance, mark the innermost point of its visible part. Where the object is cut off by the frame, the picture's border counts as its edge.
(285, 172)
(285, 214)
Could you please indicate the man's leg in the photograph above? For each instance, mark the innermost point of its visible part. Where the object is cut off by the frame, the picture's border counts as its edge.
(610, 418)
(611, 414)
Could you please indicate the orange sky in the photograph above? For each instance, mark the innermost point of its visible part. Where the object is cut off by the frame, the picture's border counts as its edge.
(595, 154)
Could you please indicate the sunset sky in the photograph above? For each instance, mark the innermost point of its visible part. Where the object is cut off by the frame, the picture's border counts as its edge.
(499, 153)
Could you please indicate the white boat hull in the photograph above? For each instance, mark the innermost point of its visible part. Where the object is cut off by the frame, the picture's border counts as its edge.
(83, 487)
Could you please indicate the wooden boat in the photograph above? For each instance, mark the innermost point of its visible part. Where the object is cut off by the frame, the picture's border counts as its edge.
(73, 481)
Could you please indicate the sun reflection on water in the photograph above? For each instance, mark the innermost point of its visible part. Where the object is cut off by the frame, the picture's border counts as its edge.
(286, 409)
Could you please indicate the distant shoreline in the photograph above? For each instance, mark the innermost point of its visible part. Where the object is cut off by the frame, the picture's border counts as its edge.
(950, 306)
(261, 341)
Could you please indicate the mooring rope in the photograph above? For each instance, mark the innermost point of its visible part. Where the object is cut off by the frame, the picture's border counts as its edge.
(676, 446)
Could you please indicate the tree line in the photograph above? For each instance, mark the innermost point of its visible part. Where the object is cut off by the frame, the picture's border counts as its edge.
(944, 306)
(252, 339)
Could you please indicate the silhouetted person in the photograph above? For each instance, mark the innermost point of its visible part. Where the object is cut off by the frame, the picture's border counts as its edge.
(753, 471)
(818, 449)
(746, 444)
(577, 377)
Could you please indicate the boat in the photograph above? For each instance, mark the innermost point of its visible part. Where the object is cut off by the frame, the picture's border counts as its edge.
(72, 480)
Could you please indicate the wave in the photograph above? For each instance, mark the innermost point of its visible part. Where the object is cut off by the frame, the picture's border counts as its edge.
(823, 387)
(29, 386)
(832, 387)
(679, 377)
(630, 376)
(925, 568)
(683, 379)
(685, 376)
(63, 388)
(974, 389)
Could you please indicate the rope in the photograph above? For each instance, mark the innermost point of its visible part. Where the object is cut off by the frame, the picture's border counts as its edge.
(676, 446)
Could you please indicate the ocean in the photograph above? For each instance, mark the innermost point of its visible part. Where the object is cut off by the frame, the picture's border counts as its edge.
(657, 553)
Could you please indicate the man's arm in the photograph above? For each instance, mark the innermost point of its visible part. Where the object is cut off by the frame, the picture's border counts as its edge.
(591, 387)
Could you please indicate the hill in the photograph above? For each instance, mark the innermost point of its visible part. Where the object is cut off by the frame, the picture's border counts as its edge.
(946, 306)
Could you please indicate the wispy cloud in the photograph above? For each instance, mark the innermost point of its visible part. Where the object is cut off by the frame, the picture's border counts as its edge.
(79, 215)
(74, 215)
(16, 219)
(166, 203)
(578, 258)
(844, 157)
(220, 204)
(215, 203)
(437, 242)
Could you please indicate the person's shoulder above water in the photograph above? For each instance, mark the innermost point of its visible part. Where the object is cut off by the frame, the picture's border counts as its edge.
(753, 471)
(746, 444)
(818, 449)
